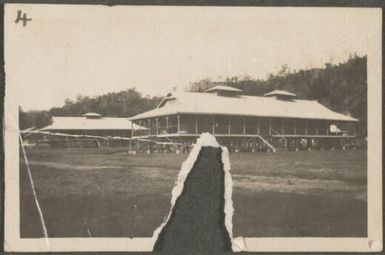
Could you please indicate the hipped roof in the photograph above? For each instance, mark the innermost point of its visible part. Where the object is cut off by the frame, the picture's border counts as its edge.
(83, 123)
(241, 105)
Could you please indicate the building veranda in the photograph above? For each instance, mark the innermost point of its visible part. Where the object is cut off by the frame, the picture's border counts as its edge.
(244, 123)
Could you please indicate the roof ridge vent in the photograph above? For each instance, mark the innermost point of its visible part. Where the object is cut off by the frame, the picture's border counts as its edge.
(92, 115)
(224, 90)
(281, 95)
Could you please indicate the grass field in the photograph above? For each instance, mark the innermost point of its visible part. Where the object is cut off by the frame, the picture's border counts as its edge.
(107, 193)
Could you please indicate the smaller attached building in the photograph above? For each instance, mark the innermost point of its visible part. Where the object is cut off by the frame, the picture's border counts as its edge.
(94, 129)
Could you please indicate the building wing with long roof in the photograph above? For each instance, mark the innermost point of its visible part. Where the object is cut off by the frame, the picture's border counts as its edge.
(241, 105)
(226, 113)
(89, 130)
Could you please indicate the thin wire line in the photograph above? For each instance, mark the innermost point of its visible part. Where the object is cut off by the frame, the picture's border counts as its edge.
(34, 191)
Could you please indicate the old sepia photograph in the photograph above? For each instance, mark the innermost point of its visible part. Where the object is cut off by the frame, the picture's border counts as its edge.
(123, 121)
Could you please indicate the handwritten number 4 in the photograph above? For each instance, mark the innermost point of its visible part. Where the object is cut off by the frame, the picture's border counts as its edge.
(22, 18)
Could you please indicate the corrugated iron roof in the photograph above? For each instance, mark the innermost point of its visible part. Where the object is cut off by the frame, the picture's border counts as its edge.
(83, 123)
(207, 103)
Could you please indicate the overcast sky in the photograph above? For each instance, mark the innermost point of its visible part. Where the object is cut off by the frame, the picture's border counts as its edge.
(67, 51)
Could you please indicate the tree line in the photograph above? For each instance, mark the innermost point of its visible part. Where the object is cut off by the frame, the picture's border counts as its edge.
(120, 104)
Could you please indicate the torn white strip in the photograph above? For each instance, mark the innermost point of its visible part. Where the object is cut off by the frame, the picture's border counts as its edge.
(229, 209)
(205, 140)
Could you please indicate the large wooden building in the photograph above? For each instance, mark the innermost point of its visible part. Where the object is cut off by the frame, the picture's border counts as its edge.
(249, 123)
(90, 130)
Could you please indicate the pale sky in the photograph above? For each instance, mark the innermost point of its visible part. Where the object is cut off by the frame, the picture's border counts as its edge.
(72, 50)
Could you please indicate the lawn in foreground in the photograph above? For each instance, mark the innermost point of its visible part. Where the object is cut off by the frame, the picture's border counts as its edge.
(107, 193)
(306, 194)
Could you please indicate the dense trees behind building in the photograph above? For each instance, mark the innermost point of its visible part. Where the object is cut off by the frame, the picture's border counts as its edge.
(120, 104)
(340, 87)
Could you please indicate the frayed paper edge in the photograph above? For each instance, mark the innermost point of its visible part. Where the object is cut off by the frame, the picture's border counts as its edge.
(205, 140)
(229, 209)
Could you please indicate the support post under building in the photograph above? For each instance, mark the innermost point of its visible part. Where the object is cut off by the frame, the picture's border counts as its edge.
(283, 127)
(306, 127)
(196, 124)
(229, 124)
(157, 126)
(178, 124)
(269, 126)
(258, 126)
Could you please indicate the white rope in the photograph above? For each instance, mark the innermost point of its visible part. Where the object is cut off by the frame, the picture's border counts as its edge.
(63, 134)
(173, 144)
(99, 137)
(165, 143)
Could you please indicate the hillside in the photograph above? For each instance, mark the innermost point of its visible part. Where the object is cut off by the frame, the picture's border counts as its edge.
(340, 87)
